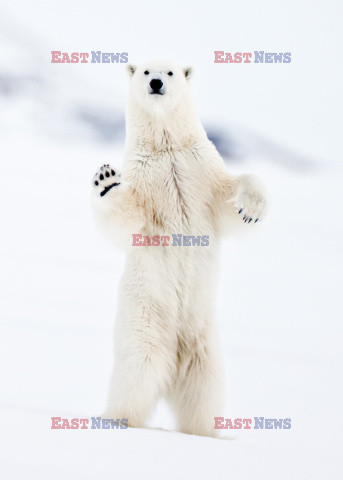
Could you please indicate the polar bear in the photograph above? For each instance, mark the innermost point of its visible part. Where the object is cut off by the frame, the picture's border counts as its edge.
(173, 182)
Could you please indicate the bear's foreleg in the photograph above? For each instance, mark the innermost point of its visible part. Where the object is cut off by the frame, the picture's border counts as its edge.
(249, 198)
(115, 207)
(243, 194)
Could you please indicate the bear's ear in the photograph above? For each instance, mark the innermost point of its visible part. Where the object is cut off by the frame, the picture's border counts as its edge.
(131, 69)
(188, 71)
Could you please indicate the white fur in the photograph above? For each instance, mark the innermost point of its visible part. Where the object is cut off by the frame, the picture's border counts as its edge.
(173, 181)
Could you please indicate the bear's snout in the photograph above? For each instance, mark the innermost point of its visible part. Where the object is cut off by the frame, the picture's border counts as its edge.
(156, 84)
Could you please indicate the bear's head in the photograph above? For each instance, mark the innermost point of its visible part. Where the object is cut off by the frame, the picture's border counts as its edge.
(159, 87)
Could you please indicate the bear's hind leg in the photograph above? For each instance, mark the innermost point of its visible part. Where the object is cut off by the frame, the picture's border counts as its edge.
(143, 371)
(199, 390)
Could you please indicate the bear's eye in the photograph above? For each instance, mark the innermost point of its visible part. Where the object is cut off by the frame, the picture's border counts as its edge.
(170, 74)
(146, 72)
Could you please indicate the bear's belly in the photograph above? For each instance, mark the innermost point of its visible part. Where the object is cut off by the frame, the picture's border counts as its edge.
(175, 279)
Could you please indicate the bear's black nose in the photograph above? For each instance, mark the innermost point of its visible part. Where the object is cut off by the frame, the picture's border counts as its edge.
(156, 85)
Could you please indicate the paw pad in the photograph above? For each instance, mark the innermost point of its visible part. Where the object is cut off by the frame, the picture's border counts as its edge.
(105, 179)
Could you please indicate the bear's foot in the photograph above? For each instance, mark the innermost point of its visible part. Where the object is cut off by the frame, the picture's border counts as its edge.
(105, 179)
(250, 204)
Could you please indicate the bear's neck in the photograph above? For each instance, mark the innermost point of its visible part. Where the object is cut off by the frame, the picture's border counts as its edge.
(151, 133)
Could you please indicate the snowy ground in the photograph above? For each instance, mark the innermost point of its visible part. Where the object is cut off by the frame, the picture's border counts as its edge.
(279, 304)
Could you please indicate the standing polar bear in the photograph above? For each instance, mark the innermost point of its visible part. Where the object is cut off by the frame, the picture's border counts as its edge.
(174, 182)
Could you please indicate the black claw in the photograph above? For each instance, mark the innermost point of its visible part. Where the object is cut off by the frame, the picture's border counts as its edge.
(101, 176)
(107, 174)
(250, 220)
(257, 219)
(240, 211)
(96, 183)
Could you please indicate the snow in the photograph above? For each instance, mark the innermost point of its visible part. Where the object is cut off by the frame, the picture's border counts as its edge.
(278, 305)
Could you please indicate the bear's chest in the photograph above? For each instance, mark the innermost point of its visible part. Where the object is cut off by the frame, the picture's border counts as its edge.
(171, 188)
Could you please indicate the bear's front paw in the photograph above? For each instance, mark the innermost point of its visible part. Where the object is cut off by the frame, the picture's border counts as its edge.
(105, 179)
(250, 203)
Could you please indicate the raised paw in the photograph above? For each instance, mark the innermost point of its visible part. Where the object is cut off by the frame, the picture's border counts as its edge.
(105, 179)
(250, 204)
